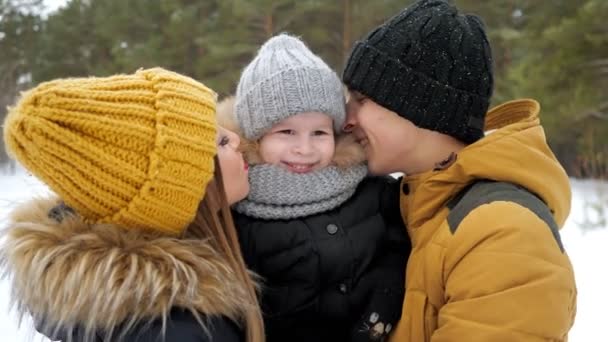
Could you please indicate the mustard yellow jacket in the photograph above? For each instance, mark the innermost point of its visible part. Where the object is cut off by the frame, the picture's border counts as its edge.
(500, 276)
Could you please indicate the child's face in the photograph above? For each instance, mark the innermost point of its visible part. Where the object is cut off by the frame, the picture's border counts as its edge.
(301, 143)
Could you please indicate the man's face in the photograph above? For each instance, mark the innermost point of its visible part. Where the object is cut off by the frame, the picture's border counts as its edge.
(386, 138)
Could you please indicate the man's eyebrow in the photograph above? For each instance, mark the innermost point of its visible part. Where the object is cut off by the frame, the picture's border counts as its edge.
(357, 95)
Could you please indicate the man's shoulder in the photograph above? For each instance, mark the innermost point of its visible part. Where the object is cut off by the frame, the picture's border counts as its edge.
(503, 206)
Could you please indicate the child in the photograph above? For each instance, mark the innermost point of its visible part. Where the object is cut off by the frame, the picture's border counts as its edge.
(327, 241)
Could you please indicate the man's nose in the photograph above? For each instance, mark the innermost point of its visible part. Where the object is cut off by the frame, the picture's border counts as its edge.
(349, 123)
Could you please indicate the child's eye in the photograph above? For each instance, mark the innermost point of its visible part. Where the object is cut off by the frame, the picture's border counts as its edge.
(224, 141)
(287, 131)
(320, 133)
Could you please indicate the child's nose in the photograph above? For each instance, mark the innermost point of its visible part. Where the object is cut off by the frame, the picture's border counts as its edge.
(303, 146)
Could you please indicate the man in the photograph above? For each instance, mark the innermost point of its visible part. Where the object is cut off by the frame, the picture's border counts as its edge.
(483, 212)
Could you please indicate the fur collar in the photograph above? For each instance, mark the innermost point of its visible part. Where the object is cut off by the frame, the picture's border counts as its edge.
(71, 274)
(348, 152)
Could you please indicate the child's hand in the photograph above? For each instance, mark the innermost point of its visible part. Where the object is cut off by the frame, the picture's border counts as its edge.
(372, 329)
(383, 312)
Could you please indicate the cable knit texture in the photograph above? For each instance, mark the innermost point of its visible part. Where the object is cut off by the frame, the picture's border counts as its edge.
(431, 65)
(133, 150)
(285, 79)
(279, 194)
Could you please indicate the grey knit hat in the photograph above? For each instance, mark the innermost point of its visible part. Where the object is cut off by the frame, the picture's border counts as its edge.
(286, 79)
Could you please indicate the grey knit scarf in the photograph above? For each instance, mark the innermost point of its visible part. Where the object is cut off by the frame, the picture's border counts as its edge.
(279, 194)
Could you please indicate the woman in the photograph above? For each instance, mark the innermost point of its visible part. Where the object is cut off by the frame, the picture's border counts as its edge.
(139, 245)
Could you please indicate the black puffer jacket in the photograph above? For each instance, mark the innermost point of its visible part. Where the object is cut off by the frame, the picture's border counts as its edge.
(335, 276)
(181, 326)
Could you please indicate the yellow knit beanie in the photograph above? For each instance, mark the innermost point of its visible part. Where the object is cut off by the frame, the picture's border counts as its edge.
(133, 150)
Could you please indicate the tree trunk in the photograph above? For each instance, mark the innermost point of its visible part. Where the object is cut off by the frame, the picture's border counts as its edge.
(268, 25)
(346, 28)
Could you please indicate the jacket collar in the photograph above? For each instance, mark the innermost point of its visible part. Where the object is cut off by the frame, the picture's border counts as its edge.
(69, 273)
(514, 151)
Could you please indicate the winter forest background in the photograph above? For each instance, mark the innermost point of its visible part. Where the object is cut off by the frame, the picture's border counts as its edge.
(553, 50)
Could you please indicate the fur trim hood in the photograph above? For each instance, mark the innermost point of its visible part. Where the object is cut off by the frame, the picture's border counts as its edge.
(348, 151)
(99, 277)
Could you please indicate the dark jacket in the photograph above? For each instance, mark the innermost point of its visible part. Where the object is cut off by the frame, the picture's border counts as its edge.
(181, 326)
(100, 282)
(326, 274)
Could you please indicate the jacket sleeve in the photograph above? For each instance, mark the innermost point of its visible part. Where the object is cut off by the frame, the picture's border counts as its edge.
(506, 279)
(383, 309)
(396, 248)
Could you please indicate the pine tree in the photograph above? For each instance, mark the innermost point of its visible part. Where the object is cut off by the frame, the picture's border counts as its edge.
(564, 67)
(554, 51)
(19, 32)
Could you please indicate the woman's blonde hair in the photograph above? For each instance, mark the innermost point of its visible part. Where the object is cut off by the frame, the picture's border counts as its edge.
(213, 221)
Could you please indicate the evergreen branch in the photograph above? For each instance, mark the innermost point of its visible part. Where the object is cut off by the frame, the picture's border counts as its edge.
(599, 113)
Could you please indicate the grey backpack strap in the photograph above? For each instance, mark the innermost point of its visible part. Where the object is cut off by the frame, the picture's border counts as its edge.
(484, 192)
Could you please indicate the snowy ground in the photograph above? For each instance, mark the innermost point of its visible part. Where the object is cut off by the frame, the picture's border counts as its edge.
(14, 190)
(585, 238)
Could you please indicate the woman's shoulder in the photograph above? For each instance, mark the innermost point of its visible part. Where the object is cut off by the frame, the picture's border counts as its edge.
(180, 325)
(185, 326)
